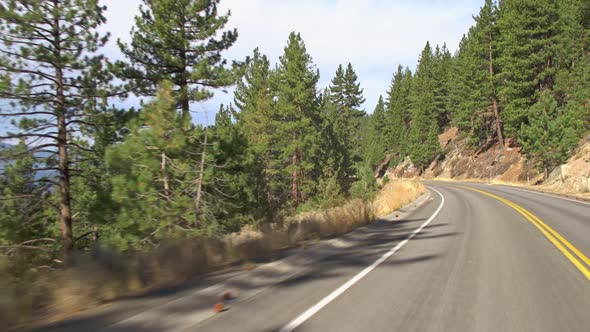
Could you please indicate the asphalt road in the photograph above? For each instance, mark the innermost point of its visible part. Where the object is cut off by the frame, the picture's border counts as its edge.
(466, 261)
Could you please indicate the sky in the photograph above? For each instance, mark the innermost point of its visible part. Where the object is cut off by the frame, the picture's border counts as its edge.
(374, 35)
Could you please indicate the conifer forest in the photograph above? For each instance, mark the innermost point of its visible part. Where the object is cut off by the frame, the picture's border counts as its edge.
(79, 170)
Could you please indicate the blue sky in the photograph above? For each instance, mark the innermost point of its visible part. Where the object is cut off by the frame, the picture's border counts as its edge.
(374, 35)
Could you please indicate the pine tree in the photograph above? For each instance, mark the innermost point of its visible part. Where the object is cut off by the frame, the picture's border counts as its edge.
(464, 97)
(424, 112)
(378, 118)
(346, 96)
(398, 111)
(54, 84)
(353, 101)
(233, 188)
(337, 123)
(432, 144)
(257, 118)
(476, 75)
(333, 180)
(23, 204)
(300, 121)
(441, 76)
(487, 36)
(152, 180)
(527, 35)
(551, 135)
(572, 59)
(180, 41)
(353, 94)
(337, 90)
(374, 146)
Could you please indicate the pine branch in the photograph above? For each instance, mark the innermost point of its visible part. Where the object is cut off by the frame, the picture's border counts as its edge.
(24, 247)
(17, 136)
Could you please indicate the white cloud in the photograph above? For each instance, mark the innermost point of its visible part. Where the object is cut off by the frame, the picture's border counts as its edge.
(374, 35)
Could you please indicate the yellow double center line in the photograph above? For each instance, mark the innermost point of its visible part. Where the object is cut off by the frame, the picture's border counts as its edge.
(575, 256)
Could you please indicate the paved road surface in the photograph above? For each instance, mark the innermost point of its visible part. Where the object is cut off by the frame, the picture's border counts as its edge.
(497, 259)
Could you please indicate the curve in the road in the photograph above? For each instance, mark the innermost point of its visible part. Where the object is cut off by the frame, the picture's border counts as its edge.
(549, 195)
(477, 266)
(574, 255)
(326, 300)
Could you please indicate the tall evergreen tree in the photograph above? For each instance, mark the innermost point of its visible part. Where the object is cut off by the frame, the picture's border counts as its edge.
(353, 94)
(346, 96)
(54, 84)
(550, 135)
(374, 147)
(152, 180)
(298, 112)
(180, 41)
(24, 208)
(464, 97)
(233, 187)
(424, 111)
(487, 36)
(334, 180)
(572, 59)
(476, 72)
(398, 111)
(528, 34)
(441, 76)
(337, 90)
(257, 117)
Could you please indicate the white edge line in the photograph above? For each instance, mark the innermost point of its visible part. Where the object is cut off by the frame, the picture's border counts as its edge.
(295, 323)
(548, 195)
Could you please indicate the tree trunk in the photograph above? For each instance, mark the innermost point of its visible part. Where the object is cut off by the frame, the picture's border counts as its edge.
(65, 211)
(164, 175)
(185, 102)
(266, 181)
(294, 184)
(301, 180)
(201, 174)
(545, 172)
(498, 119)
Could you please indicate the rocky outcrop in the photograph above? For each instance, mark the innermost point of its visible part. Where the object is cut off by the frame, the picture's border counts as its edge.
(462, 162)
(575, 174)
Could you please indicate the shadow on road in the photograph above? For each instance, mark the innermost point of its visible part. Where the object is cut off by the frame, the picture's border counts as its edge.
(366, 245)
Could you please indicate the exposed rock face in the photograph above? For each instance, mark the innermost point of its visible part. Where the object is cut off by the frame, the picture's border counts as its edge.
(575, 174)
(461, 162)
(405, 169)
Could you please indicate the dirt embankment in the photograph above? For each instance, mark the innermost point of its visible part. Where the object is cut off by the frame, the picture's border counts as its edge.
(508, 166)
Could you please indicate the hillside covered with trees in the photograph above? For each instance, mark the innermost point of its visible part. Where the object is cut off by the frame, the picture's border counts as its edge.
(129, 178)
(521, 73)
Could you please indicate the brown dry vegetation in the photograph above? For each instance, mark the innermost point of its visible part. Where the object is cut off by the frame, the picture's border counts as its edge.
(104, 275)
(395, 195)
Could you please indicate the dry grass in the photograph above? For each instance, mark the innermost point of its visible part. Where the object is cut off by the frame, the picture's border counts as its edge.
(395, 195)
(104, 275)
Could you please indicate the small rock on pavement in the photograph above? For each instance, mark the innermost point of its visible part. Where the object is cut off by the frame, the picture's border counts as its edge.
(218, 307)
